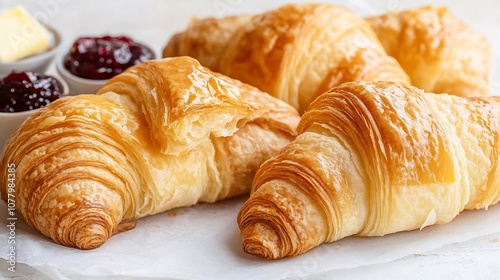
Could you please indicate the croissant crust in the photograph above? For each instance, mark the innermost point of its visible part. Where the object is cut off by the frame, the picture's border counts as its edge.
(161, 135)
(295, 52)
(372, 159)
(439, 52)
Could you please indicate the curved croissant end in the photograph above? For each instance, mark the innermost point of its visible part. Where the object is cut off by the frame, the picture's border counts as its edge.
(439, 52)
(161, 135)
(73, 172)
(373, 159)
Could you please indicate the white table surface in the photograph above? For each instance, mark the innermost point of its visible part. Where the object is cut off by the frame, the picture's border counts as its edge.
(154, 21)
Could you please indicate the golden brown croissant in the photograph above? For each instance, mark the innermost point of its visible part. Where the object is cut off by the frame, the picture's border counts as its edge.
(438, 51)
(295, 53)
(163, 134)
(372, 159)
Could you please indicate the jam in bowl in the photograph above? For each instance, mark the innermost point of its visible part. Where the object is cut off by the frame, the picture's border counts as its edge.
(92, 61)
(100, 58)
(23, 93)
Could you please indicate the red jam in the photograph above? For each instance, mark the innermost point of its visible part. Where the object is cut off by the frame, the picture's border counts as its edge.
(100, 58)
(23, 91)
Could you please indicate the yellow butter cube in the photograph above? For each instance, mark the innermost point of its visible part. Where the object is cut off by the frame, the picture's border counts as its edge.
(21, 35)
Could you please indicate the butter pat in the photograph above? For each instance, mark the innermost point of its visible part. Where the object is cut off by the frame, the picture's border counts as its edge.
(21, 35)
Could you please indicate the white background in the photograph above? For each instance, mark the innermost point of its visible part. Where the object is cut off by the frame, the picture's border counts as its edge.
(154, 21)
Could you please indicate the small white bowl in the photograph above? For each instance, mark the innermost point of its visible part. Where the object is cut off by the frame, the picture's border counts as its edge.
(78, 85)
(36, 63)
(11, 121)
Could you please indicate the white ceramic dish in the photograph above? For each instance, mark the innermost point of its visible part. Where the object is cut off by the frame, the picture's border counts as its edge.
(77, 85)
(36, 63)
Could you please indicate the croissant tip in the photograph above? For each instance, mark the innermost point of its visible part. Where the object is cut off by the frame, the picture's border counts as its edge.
(261, 240)
(83, 229)
(90, 237)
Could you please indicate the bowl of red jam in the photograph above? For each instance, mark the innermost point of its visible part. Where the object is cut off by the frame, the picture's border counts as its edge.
(92, 61)
(21, 94)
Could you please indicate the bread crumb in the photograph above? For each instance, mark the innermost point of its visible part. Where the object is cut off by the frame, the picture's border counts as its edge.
(174, 213)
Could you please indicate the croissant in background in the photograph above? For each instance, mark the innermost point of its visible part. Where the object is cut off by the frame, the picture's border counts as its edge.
(372, 159)
(163, 134)
(295, 52)
(438, 51)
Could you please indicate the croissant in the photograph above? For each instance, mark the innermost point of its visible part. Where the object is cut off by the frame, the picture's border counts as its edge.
(163, 134)
(294, 53)
(372, 159)
(439, 52)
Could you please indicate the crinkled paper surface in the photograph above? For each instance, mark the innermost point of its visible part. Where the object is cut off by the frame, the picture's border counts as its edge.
(203, 242)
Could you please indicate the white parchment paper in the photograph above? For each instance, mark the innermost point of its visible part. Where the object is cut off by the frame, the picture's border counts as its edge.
(203, 242)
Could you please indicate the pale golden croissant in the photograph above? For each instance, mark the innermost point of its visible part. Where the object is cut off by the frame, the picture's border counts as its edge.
(163, 134)
(295, 53)
(438, 51)
(372, 159)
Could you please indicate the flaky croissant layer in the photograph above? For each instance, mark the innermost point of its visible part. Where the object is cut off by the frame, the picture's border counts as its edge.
(373, 159)
(163, 134)
(295, 52)
(439, 52)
